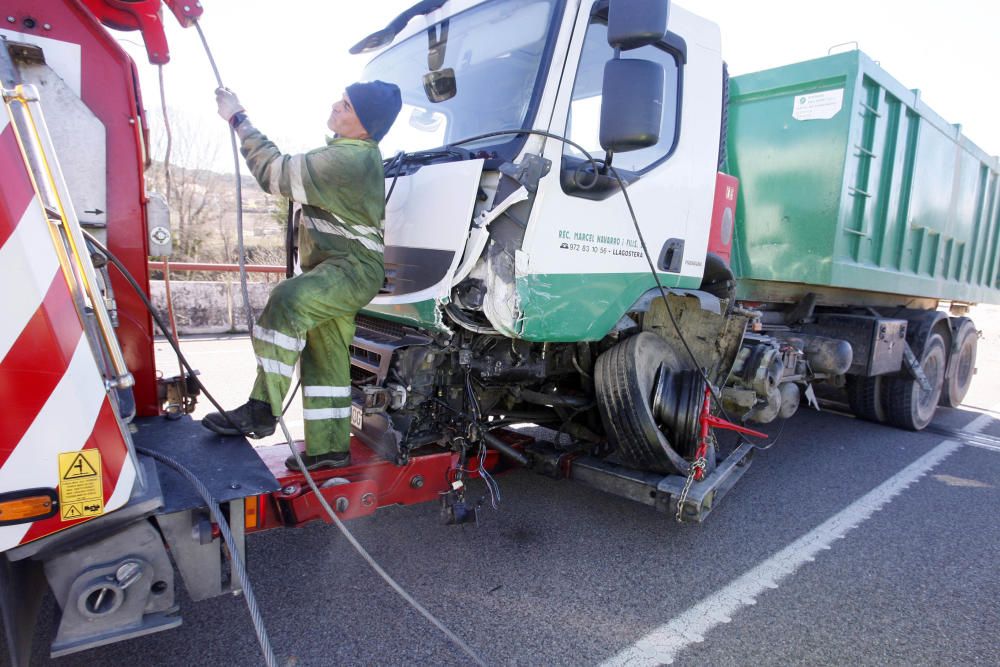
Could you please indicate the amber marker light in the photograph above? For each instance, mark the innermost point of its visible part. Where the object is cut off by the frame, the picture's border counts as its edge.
(26, 508)
(250, 512)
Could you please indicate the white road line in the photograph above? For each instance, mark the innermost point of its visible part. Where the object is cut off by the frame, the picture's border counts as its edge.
(981, 422)
(662, 645)
(982, 445)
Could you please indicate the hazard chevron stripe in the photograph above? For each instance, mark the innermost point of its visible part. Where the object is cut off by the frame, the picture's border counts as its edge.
(28, 265)
(116, 474)
(64, 424)
(17, 191)
(54, 394)
(52, 334)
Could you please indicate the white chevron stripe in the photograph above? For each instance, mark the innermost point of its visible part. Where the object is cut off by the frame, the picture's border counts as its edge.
(318, 391)
(27, 266)
(317, 414)
(64, 424)
(123, 490)
(279, 339)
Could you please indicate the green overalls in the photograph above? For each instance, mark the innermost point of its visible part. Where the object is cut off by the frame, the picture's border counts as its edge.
(342, 191)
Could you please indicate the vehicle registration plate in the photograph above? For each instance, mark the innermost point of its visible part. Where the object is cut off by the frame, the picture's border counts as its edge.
(357, 417)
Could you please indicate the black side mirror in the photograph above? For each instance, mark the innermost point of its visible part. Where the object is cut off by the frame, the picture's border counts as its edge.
(635, 23)
(632, 105)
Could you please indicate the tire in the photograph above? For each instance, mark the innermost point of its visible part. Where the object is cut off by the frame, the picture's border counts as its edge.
(866, 396)
(961, 365)
(625, 376)
(907, 405)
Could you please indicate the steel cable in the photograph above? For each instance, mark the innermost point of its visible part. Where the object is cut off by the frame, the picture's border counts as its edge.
(455, 639)
(241, 571)
(291, 443)
(248, 310)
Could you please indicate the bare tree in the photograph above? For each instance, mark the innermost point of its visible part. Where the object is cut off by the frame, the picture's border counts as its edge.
(194, 193)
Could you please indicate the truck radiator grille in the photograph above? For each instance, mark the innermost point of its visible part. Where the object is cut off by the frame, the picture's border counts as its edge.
(380, 326)
(360, 376)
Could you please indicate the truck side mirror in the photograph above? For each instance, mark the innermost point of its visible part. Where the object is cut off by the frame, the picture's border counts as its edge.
(635, 23)
(632, 105)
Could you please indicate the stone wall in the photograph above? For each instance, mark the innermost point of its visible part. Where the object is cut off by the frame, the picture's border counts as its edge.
(202, 307)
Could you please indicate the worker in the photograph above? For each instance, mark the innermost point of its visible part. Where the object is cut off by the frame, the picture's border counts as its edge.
(341, 188)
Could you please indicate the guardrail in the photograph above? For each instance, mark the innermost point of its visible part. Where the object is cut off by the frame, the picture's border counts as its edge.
(225, 268)
(210, 306)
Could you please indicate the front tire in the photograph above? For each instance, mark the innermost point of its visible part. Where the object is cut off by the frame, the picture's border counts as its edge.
(649, 407)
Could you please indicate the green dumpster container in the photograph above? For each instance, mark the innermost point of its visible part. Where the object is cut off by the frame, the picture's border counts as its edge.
(849, 182)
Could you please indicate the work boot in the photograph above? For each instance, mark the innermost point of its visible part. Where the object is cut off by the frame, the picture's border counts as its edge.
(319, 461)
(252, 419)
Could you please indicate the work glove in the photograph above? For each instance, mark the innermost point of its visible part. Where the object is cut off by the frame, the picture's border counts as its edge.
(229, 104)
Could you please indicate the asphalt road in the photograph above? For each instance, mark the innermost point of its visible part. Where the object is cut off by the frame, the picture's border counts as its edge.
(845, 543)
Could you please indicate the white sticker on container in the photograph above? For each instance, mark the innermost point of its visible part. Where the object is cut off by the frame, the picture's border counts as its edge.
(818, 106)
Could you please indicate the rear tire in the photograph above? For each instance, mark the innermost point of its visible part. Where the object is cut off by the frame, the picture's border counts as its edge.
(907, 405)
(961, 365)
(866, 396)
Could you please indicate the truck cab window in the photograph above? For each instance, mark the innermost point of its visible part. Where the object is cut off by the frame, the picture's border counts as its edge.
(584, 118)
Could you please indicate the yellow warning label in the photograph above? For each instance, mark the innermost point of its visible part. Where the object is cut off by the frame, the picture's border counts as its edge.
(81, 493)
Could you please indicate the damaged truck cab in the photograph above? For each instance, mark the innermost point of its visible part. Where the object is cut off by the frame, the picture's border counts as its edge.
(524, 285)
(519, 283)
(512, 260)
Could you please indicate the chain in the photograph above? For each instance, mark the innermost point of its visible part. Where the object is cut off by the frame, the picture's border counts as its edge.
(698, 464)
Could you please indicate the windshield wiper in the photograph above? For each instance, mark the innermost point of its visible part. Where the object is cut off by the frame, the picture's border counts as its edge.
(378, 39)
(431, 155)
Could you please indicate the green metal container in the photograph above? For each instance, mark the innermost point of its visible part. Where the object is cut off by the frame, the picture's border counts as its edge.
(848, 180)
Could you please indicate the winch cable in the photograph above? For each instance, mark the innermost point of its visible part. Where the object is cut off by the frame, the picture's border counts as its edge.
(288, 436)
(117, 263)
(270, 659)
(213, 505)
(715, 393)
(239, 190)
(262, 638)
(455, 639)
(168, 181)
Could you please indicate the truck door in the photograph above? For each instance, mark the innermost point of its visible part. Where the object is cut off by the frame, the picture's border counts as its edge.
(581, 264)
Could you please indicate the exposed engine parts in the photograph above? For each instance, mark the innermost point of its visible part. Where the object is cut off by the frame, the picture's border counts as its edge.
(634, 396)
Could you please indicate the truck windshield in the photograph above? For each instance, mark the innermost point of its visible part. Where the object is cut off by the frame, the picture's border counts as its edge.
(496, 50)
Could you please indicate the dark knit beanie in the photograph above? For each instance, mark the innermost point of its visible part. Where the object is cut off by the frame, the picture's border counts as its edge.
(377, 104)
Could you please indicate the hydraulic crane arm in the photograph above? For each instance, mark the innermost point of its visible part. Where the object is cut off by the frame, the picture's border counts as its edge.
(145, 16)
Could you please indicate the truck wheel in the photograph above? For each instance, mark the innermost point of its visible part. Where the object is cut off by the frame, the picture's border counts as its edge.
(648, 404)
(866, 397)
(961, 365)
(907, 405)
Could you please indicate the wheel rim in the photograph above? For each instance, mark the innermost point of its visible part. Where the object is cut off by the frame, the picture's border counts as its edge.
(964, 367)
(676, 404)
(933, 365)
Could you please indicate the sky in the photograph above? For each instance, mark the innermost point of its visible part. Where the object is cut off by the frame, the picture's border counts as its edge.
(289, 61)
